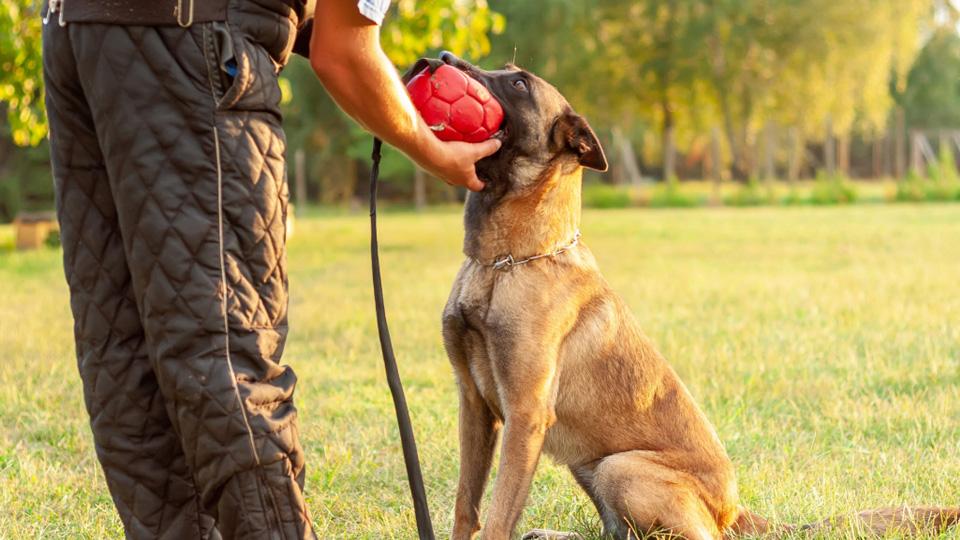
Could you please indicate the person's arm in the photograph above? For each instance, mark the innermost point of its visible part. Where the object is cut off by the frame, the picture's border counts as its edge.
(346, 55)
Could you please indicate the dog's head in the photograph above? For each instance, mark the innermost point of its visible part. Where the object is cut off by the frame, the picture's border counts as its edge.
(540, 129)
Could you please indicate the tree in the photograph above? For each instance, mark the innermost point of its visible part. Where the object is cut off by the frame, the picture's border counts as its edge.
(807, 64)
(22, 116)
(931, 98)
(21, 71)
(662, 45)
(627, 65)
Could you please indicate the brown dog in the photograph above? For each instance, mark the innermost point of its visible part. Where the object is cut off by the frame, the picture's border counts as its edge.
(541, 345)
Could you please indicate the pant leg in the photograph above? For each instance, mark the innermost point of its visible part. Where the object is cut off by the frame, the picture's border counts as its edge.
(197, 170)
(141, 456)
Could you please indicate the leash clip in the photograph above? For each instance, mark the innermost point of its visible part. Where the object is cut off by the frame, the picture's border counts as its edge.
(178, 13)
(503, 263)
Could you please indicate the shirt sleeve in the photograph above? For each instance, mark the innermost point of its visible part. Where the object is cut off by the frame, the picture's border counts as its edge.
(374, 10)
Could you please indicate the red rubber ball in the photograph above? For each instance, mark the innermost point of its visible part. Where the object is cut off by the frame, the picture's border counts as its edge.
(456, 107)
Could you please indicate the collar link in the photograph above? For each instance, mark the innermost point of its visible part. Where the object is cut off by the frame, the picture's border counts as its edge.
(507, 262)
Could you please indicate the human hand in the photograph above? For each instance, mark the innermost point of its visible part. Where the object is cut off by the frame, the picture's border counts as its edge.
(454, 162)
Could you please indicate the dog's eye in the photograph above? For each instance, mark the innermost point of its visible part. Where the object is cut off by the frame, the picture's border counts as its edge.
(520, 85)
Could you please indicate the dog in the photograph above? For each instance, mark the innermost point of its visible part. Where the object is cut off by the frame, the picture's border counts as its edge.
(544, 349)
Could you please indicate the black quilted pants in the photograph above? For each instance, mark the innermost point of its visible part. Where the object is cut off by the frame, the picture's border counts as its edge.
(171, 194)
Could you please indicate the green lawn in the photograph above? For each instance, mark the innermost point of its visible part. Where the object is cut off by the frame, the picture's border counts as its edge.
(824, 343)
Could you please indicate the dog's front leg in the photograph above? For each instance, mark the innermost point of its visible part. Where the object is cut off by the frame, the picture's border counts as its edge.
(528, 390)
(478, 438)
(523, 437)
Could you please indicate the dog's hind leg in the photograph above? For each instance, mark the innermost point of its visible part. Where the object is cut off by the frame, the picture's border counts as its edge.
(584, 475)
(643, 495)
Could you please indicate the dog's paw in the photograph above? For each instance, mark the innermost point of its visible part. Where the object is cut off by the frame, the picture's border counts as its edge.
(547, 534)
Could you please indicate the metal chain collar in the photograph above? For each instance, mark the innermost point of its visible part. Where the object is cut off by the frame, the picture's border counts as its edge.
(506, 262)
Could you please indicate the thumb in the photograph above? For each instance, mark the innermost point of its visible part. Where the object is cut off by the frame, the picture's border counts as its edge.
(473, 183)
(486, 148)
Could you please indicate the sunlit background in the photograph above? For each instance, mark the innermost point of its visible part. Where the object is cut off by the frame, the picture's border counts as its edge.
(749, 98)
(782, 213)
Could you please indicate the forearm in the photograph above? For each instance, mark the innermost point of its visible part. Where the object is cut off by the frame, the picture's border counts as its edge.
(378, 99)
(346, 55)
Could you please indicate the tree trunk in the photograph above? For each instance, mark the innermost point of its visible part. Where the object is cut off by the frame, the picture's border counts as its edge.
(419, 188)
(338, 180)
(843, 154)
(716, 165)
(922, 154)
(796, 156)
(669, 155)
(325, 187)
(769, 152)
(669, 149)
(748, 151)
(877, 155)
(627, 167)
(830, 150)
(740, 167)
(300, 178)
(900, 150)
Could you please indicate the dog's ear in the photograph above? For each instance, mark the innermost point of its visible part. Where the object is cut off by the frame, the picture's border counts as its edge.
(571, 132)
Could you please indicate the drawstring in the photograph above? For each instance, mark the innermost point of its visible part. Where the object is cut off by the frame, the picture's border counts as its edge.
(410, 458)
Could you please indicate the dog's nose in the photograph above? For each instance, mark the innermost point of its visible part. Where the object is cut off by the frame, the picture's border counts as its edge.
(448, 57)
(451, 59)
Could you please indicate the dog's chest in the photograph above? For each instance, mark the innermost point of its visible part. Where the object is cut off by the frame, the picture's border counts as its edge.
(471, 306)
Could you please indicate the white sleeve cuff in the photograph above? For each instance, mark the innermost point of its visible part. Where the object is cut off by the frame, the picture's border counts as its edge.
(375, 10)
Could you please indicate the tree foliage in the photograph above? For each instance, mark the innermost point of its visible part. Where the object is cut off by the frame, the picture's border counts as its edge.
(417, 26)
(21, 71)
(932, 94)
(686, 66)
(654, 72)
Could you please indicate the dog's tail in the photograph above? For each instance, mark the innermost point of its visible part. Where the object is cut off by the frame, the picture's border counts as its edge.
(902, 520)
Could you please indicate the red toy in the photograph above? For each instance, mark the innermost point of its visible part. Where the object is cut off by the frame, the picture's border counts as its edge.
(456, 107)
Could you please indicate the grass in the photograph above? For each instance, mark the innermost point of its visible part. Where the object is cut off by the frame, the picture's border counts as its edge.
(821, 191)
(822, 342)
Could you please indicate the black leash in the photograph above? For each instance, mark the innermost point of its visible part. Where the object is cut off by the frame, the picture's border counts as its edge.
(410, 458)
